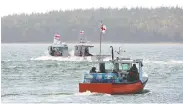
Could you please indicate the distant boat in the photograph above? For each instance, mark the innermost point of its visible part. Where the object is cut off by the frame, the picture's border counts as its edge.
(82, 49)
(58, 48)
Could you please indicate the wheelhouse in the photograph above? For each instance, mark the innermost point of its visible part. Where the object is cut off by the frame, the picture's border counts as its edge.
(116, 69)
(82, 50)
(58, 50)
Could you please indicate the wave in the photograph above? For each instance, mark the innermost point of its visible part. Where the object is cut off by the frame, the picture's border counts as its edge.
(177, 61)
(69, 58)
(164, 62)
(87, 93)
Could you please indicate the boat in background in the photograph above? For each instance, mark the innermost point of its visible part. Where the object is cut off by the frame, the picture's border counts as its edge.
(58, 48)
(83, 48)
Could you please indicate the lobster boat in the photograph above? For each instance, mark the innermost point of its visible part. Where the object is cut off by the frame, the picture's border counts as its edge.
(82, 49)
(58, 48)
(116, 76)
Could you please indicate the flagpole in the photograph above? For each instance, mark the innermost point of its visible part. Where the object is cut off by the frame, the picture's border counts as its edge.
(100, 42)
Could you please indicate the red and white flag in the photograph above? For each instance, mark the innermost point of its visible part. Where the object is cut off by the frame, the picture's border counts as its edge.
(103, 28)
(57, 36)
(81, 32)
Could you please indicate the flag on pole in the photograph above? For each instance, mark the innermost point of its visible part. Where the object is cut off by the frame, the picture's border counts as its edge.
(103, 28)
(56, 39)
(81, 32)
(57, 36)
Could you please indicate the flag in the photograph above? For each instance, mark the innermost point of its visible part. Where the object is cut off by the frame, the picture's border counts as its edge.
(57, 36)
(81, 32)
(103, 28)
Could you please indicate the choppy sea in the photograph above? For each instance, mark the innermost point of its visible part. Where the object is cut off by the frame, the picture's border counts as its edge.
(29, 75)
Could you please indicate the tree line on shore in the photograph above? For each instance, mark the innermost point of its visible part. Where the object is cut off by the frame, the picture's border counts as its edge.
(163, 24)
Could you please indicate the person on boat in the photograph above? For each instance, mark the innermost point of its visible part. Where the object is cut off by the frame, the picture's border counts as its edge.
(102, 68)
(93, 70)
(115, 72)
(52, 51)
(87, 52)
(80, 53)
(133, 74)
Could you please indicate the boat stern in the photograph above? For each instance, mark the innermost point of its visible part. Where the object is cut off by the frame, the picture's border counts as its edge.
(96, 87)
(112, 88)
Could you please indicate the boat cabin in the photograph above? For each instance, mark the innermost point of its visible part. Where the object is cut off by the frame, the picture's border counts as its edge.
(82, 50)
(120, 70)
(58, 50)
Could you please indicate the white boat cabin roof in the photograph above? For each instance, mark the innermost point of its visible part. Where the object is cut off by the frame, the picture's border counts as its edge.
(83, 45)
(121, 64)
(59, 45)
(122, 60)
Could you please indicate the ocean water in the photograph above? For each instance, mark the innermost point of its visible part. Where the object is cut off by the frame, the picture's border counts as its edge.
(28, 75)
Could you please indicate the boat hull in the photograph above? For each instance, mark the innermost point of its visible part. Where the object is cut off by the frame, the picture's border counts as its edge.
(112, 88)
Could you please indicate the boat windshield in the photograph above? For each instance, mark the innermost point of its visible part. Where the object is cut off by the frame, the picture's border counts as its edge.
(60, 48)
(109, 66)
(124, 66)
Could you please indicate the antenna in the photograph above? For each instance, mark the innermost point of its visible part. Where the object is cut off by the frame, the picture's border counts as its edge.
(112, 52)
(120, 51)
(100, 39)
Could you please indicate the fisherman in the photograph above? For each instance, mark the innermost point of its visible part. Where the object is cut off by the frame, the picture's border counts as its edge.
(133, 74)
(115, 72)
(52, 51)
(80, 53)
(93, 70)
(102, 68)
(86, 52)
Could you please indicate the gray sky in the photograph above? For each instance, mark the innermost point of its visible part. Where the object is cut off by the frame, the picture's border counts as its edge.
(29, 6)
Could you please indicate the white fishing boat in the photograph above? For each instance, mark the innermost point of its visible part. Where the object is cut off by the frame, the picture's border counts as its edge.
(82, 49)
(58, 48)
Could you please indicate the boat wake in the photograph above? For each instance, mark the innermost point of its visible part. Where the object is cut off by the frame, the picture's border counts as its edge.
(88, 93)
(69, 58)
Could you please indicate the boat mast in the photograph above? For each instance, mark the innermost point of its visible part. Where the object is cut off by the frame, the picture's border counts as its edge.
(102, 28)
(112, 52)
(100, 41)
(82, 40)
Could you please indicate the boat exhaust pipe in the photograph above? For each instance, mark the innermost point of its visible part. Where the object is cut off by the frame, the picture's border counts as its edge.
(112, 52)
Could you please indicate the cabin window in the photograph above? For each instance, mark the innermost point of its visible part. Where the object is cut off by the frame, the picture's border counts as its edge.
(109, 66)
(124, 66)
(58, 49)
(65, 48)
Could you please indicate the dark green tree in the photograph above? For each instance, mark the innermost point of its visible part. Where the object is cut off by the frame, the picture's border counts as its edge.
(164, 24)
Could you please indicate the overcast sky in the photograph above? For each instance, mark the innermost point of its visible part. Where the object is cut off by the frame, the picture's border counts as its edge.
(29, 6)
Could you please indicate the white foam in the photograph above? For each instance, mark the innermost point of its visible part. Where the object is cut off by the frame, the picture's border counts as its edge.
(91, 93)
(85, 93)
(69, 58)
(164, 62)
(177, 61)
